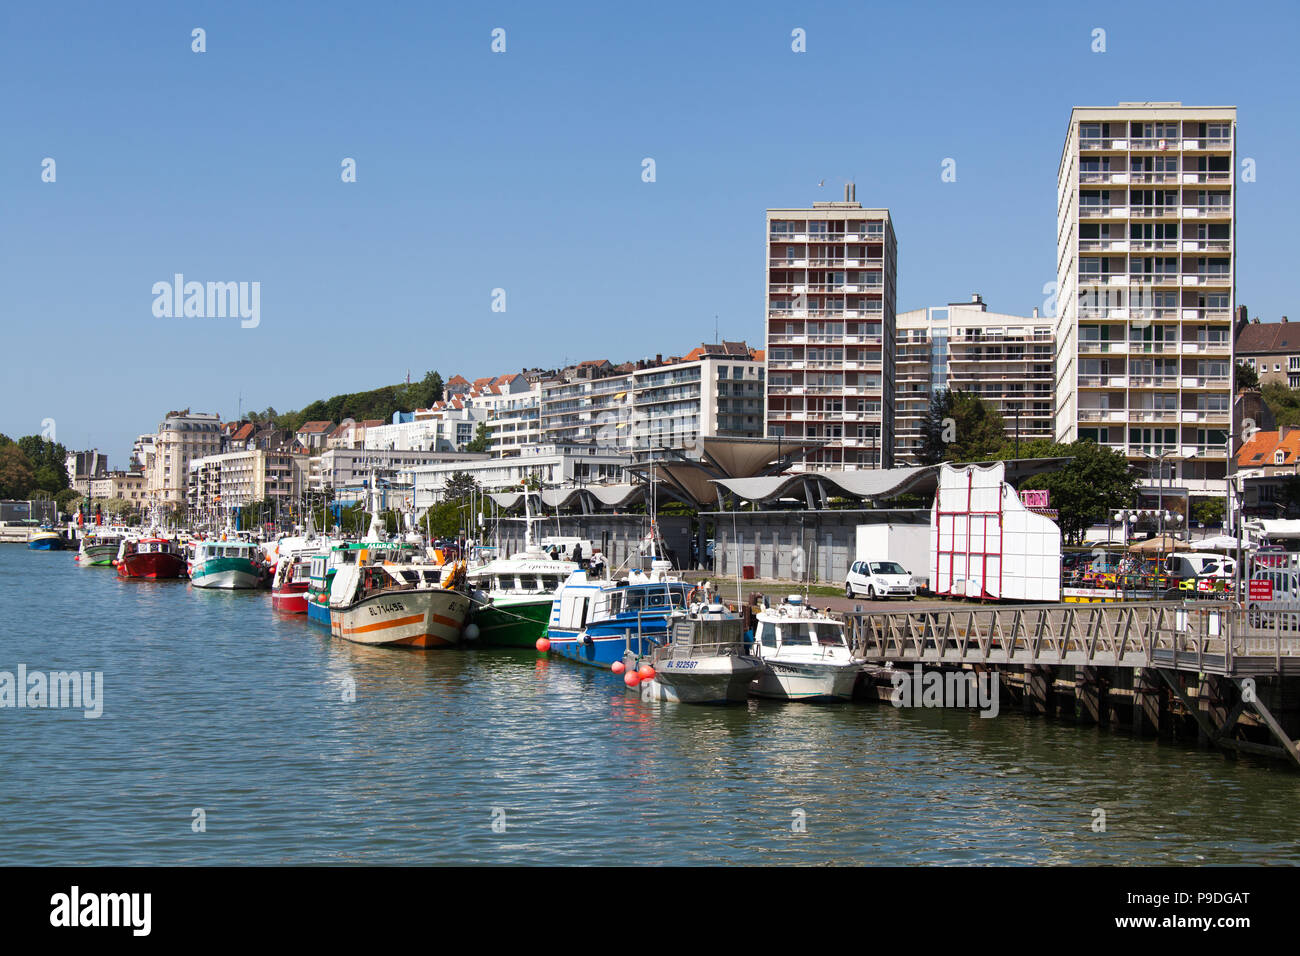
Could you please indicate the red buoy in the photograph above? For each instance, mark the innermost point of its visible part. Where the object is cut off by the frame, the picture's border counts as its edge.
(617, 667)
(632, 679)
(646, 672)
(543, 645)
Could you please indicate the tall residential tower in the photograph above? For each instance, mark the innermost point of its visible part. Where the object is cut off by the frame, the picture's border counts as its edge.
(830, 304)
(1146, 243)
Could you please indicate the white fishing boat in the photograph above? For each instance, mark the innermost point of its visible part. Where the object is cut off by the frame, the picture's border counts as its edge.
(379, 600)
(705, 660)
(805, 655)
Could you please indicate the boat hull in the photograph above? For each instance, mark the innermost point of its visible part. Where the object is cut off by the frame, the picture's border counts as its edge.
(809, 682)
(318, 612)
(602, 649)
(45, 542)
(704, 680)
(97, 554)
(290, 600)
(152, 566)
(511, 623)
(424, 619)
(228, 574)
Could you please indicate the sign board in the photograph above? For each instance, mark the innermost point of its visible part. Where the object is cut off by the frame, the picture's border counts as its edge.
(1033, 499)
(1261, 589)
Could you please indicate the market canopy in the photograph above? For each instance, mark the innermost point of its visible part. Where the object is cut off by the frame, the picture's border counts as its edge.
(1162, 543)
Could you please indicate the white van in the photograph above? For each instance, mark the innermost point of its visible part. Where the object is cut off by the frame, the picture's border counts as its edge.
(1200, 564)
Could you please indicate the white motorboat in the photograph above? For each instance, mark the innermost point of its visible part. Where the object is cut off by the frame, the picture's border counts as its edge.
(804, 653)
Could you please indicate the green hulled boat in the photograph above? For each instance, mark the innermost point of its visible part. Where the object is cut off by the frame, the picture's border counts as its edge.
(511, 598)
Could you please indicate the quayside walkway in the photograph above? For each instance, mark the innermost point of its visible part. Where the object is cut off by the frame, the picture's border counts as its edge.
(1220, 661)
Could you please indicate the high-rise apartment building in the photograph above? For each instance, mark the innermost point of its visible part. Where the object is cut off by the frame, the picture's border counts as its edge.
(182, 436)
(1145, 286)
(1007, 360)
(830, 300)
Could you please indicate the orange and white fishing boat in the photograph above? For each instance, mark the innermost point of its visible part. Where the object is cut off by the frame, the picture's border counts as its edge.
(398, 602)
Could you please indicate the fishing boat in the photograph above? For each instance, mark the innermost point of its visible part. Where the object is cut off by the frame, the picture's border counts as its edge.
(99, 548)
(599, 622)
(705, 660)
(45, 540)
(804, 653)
(228, 565)
(151, 558)
(324, 565)
(511, 597)
(392, 599)
(290, 582)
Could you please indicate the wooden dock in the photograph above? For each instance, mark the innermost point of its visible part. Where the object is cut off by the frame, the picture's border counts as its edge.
(1148, 664)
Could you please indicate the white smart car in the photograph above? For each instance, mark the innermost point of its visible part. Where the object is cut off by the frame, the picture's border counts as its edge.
(879, 579)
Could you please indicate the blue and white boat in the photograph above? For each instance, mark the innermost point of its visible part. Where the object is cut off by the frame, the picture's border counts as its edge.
(45, 540)
(597, 622)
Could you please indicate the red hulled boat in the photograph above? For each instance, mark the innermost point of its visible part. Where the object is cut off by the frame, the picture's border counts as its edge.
(151, 558)
(289, 587)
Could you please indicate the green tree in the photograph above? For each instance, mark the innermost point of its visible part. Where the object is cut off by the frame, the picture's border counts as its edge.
(1085, 491)
(460, 485)
(1245, 376)
(16, 476)
(481, 441)
(430, 390)
(1283, 402)
(1209, 510)
(961, 426)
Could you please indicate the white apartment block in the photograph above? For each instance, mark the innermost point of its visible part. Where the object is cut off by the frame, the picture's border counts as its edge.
(830, 321)
(516, 422)
(1145, 286)
(1007, 360)
(554, 465)
(665, 405)
(218, 483)
(349, 467)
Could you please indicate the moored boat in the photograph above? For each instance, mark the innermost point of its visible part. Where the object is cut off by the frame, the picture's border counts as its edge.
(99, 548)
(804, 653)
(705, 659)
(290, 582)
(598, 622)
(512, 598)
(150, 558)
(398, 603)
(45, 540)
(226, 565)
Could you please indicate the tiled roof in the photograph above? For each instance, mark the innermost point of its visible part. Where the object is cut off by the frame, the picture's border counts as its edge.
(1262, 449)
(1268, 337)
(315, 428)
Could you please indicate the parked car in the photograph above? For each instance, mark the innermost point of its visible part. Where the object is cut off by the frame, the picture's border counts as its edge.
(879, 579)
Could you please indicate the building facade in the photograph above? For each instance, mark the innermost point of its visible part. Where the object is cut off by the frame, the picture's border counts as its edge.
(235, 479)
(1007, 360)
(181, 438)
(552, 465)
(1145, 286)
(830, 322)
(1272, 349)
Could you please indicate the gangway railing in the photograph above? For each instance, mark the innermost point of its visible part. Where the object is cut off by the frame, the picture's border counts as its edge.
(1199, 635)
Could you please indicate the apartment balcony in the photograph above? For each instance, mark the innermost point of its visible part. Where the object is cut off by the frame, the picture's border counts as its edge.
(1152, 348)
(1102, 415)
(1210, 451)
(1207, 315)
(1103, 381)
(1207, 245)
(1168, 416)
(1103, 176)
(1152, 245)
(1207, 212)
(1153, 381)
(1153, 278)
(1103, 212)
(1199, 177)
(1199, 417)
(1152, 179)
(1158, 143)
(1103, 143)
(1153, 212)
(1104, 245)
(1207, 278)
(1206, 348)
(1208, 143)
(1206, 381)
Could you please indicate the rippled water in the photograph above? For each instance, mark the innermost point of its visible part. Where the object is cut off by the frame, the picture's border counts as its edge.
(212, 701)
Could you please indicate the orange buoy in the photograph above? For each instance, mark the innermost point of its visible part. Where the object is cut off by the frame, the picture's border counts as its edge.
(543, 644)
(646, 672)
(617, 667)
(632, 679)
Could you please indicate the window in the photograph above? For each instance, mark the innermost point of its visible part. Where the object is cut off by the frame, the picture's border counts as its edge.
(796, 634)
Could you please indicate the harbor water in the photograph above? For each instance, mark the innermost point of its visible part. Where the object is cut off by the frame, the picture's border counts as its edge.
(232, 735)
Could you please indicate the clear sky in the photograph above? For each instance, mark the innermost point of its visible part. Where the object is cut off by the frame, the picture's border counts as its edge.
(522, 171)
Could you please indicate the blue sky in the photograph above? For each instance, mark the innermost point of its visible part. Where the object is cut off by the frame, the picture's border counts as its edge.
(522, 171)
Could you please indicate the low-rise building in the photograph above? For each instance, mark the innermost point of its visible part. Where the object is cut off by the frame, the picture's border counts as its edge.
(1272, 349)
(555, 465)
